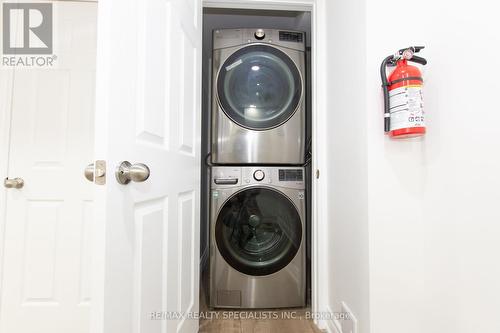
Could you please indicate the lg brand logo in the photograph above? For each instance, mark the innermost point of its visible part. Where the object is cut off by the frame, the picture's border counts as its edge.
(27, 28)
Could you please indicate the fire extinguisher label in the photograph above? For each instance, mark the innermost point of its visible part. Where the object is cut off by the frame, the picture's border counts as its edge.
(406, 107)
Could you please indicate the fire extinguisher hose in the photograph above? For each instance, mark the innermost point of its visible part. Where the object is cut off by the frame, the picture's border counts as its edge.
(385, 88)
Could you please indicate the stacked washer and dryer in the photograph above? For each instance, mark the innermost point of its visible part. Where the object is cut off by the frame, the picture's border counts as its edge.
(257, 202)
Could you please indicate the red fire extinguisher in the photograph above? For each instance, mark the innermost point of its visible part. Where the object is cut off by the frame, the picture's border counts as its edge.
(403, 101)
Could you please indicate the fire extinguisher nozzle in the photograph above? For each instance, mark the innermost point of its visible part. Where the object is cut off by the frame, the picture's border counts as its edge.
(419, 60)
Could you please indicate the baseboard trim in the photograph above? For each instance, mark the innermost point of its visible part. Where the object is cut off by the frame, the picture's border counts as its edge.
(332, 325)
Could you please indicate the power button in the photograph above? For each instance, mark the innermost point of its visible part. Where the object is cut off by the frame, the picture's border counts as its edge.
(258, 175)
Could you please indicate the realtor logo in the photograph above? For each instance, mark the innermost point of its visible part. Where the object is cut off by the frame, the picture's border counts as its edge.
(27, 35)
(34, 20)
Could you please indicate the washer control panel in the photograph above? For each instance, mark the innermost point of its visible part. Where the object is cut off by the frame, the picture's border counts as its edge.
(232, 176)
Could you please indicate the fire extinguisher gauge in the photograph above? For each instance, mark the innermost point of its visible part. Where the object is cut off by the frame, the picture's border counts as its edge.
(407, 54)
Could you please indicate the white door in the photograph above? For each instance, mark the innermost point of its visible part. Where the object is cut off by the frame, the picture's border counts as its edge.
(148, 111)
(46, 242)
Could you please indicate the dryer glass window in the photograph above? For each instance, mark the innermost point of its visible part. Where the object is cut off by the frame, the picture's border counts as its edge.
(258, 231)
(259, 87)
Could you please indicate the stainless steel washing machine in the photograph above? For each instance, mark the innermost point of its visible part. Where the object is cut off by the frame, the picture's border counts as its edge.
(257, 231)
(258, 97)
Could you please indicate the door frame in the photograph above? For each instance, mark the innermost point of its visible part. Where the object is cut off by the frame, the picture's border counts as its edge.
(319, 241)
(6, 85)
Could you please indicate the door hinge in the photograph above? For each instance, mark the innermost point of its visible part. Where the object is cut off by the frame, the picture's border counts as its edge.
(317, 173)
(96, 172)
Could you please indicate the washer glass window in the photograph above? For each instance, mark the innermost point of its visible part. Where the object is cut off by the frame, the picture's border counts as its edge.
(259, 87)
(258, 231)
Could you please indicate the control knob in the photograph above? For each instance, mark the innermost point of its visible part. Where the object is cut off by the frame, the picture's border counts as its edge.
(258, 175)
(260, 34)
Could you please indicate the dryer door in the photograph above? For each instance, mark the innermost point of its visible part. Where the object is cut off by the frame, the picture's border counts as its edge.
(258, 231)
(259, 87)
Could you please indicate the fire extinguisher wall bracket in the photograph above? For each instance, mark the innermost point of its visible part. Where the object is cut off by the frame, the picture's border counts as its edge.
(403, 106)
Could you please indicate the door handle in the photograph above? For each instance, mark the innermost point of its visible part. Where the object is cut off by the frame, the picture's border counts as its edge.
(126, 172)
(224, 181)
(89, 172)
(13, 183)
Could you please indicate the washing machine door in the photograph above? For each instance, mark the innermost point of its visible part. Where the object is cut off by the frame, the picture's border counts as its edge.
(259, 87)
(258, 231)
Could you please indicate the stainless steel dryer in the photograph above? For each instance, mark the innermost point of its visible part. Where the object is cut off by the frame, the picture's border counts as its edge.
(257, 231)
(258, 103)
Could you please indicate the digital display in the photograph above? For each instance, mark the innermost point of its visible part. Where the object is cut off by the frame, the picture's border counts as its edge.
(291, 36)
(290, 175)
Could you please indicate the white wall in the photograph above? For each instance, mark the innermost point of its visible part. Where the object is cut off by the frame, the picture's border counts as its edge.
(434, 225)
(427, 207)
(347, 172)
